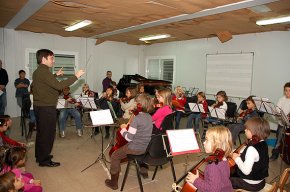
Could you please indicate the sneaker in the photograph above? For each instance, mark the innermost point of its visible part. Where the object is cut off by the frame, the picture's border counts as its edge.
(79, 132)
(62, 134)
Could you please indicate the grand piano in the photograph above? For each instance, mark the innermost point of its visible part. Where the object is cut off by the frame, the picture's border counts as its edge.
(149, 84)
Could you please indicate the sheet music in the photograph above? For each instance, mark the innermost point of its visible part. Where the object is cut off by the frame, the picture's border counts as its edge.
(61, 104)
(264, 105)
(182, 141)
(102, 117)
(217, 112)
(194, 107)
(88, 102)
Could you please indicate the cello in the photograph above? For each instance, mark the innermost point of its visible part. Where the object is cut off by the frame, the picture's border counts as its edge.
(189, 187)
(120, 140)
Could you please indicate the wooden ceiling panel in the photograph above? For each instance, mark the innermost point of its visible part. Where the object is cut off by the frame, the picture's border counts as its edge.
(111, 15)
(8, 9)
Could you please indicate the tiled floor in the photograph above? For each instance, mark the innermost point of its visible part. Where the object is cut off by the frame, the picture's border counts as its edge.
(76, 153)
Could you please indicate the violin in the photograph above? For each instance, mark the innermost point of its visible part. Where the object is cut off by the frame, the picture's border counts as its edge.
(255, 139)
(70, 99)
(158, 105)
(217, 105)
(245, 113)
(120, 140)
(89, 93)
(126, 99)
(216, 157)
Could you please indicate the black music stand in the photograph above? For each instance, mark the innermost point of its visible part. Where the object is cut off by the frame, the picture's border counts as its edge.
(101, 119)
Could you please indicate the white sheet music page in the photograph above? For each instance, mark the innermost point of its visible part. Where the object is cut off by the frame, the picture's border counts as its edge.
(182, 141)
(60, 104)
(102, 117)
(88, 102)
(194, 107)
(217, 112)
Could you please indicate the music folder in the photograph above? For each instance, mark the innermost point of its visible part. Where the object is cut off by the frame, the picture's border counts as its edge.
(217, 112)
(194, 107)
(182, 141)
(102, 117)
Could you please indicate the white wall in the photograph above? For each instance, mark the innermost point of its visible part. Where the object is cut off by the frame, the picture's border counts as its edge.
(271, 67)
(95, 59)
(270, 70)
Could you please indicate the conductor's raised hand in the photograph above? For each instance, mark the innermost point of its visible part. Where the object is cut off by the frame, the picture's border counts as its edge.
(60, 72)
(79, 73)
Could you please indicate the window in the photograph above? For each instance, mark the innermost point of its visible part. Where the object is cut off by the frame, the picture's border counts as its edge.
(160, 68)
(65, 60)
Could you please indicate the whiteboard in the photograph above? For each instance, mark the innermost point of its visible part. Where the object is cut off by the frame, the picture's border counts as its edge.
(229, 72)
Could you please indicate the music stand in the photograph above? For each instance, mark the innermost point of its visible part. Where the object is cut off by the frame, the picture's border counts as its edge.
(196, 108)
(88, 103)
(217, 113)
(101, 118)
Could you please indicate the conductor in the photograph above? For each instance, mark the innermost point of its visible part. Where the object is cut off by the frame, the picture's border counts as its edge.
(45, 95)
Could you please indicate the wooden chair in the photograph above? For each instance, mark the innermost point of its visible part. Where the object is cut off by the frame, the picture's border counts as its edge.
(275, 187)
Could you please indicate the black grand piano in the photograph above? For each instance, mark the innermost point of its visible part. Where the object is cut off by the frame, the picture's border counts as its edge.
(149, 84)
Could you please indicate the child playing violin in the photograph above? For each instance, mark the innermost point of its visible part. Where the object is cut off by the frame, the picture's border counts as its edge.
(64, 113)
(138, 136)
(86, 92)
(253, 162)
(249, 113)
(128, 103)
(164, 99)
(178, 101)
(201, 99)
(108, 96)
(216, 174)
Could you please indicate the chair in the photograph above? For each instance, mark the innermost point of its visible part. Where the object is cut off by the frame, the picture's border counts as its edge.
(26, 104)
(275, 187)
(168, 123)
(155, 155)
(231, 112)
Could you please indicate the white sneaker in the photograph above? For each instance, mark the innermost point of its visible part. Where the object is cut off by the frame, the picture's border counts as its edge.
(79, 132)
(62, 134)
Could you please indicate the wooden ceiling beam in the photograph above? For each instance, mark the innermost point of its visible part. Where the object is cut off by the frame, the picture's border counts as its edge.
(31, 7)
(183, 17)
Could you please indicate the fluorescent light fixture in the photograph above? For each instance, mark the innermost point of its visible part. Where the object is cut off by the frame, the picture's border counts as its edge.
(154, 37)
(273, 21)
(78, 25)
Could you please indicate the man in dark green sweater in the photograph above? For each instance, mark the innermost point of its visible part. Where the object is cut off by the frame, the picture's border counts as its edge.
(45, 95)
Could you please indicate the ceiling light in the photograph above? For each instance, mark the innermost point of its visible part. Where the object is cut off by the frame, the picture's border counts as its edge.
(154, 37)
(273, 21)
(78, 25)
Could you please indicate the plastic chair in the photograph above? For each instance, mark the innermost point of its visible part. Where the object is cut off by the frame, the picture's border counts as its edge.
(155, 155)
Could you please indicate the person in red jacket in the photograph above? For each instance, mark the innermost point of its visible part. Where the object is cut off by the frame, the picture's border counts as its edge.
(4, 140)
(178, 101)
